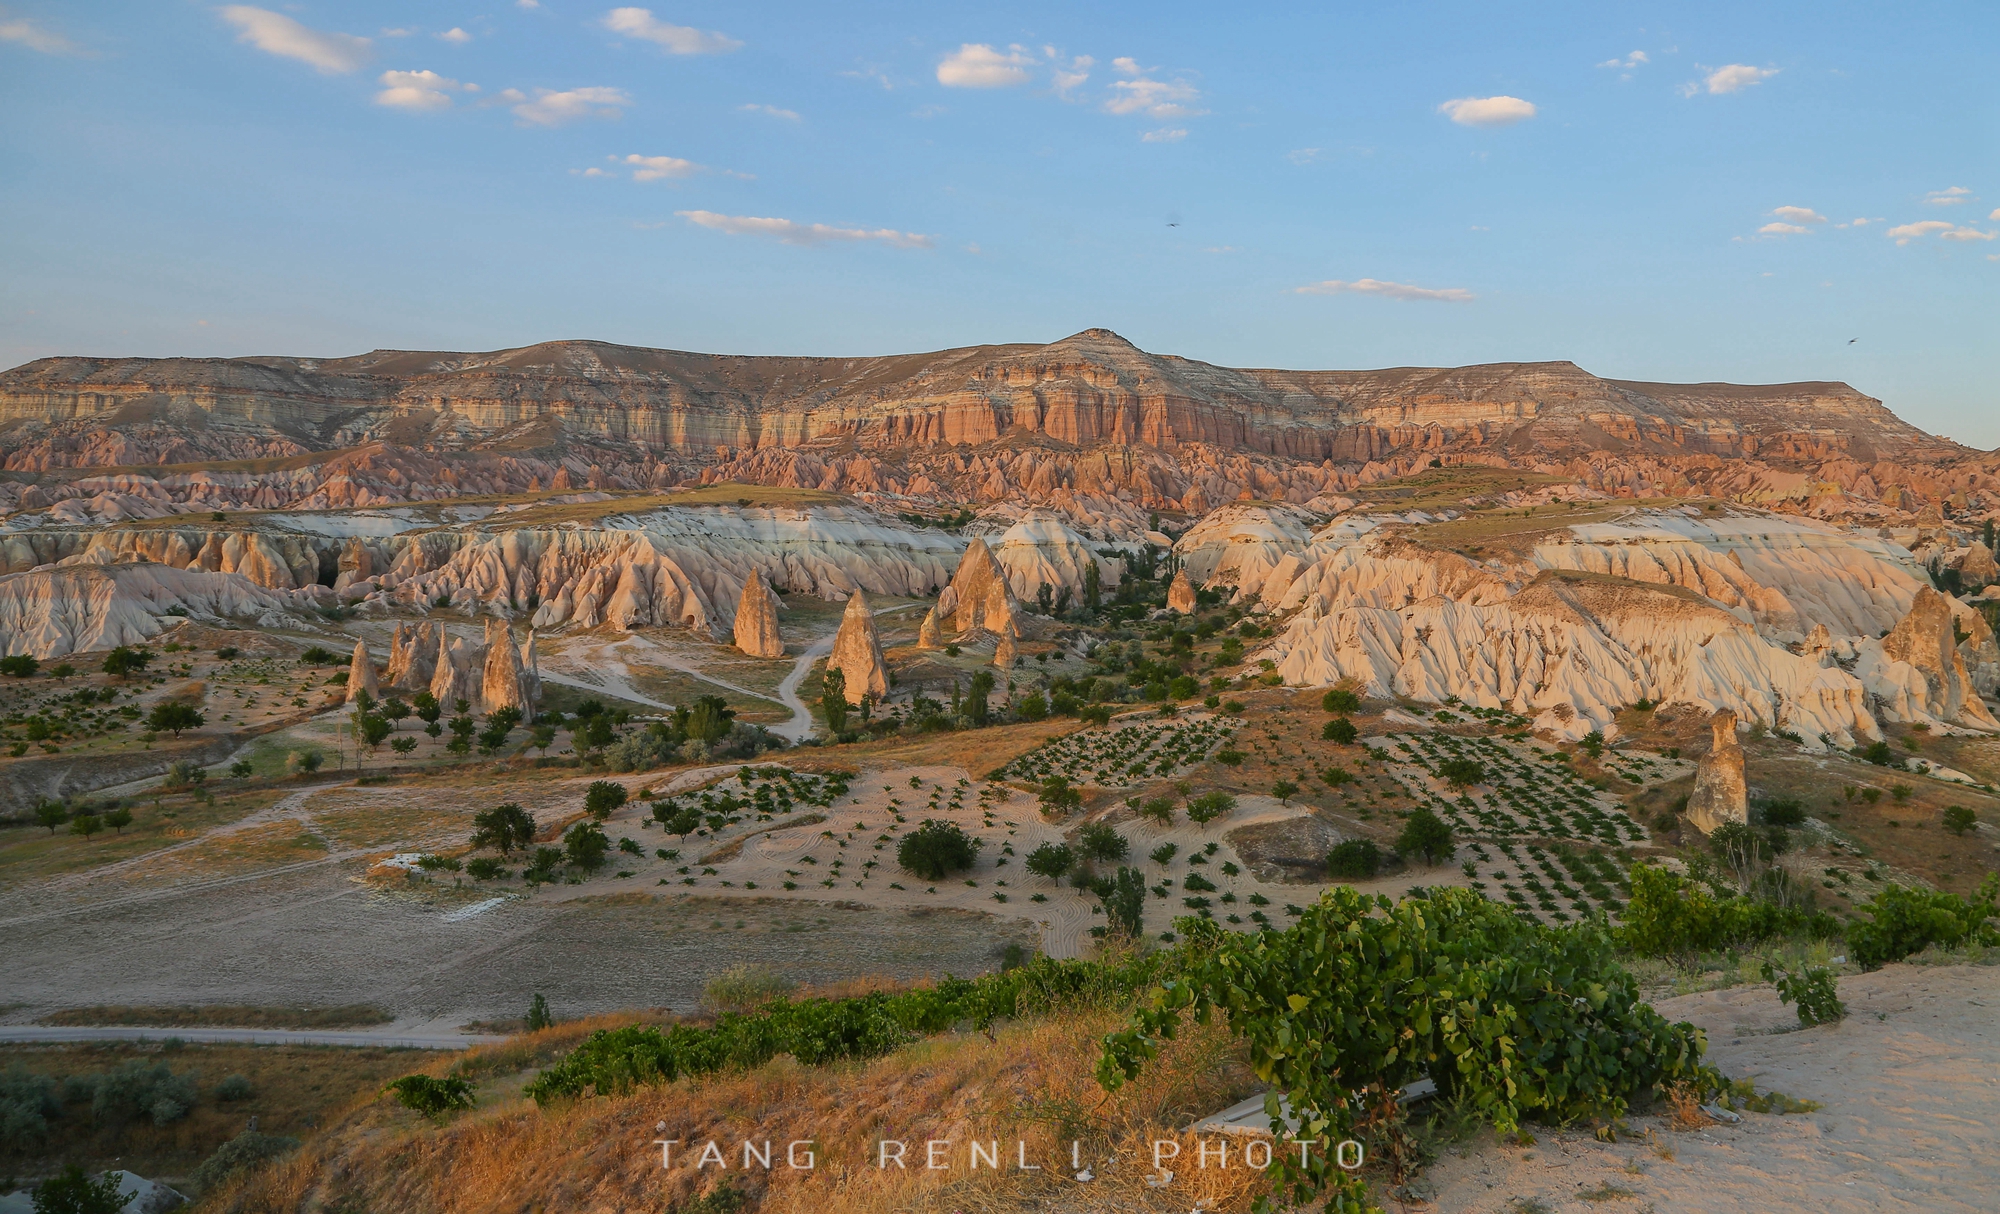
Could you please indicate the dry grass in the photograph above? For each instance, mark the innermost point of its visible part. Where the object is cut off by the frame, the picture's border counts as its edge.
(31, 852)
(295, 1090)
(977, 751)
(222, 1015)
(1031, 1083)
(1436, 487)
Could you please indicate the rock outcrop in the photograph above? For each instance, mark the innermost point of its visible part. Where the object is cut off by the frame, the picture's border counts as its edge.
(503, 682)
(1918, 672)
(1005, 652)
(1180, 594)
(361, 675)
(857, 652)
(978, 592)
(1721, 793)
(50, 613)
(928, 636)
(756, 628)
(413, 653)
(458, 674)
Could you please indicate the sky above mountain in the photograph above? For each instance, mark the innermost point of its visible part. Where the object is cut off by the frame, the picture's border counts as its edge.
(1670, 192)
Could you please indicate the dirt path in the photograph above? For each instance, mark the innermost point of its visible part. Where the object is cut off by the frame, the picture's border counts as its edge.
(357, 1037)
(800, 727)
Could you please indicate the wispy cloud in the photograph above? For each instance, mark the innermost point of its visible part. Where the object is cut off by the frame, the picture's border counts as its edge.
(1066, 78)
(1798, 215)
(1387, 290)
(1967, 233)
(456, 35)
(424, 90)
(1782, 229)
(1487, 111)
(1140, 93)
(1950, 197)
(1164, 135)
(1904, 233)
(659, 168)
(976, 65)
(549, 107)
(25, 32)
(1730, 78)
(675, 39)
(277, 34)
(770, 111)
(790, 232)
(1628, 62)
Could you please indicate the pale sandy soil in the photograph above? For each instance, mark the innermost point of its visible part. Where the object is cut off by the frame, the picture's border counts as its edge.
(1910, 1089)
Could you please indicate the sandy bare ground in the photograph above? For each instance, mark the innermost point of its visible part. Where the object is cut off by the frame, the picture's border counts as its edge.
(1910, 1089)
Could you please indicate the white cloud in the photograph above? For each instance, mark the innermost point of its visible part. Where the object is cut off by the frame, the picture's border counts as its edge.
(456, 35)
(1948, 198)
(1302, 155)
(1907, 232)
(771, 111)
(1066, 78)
(1967, 233)
(552, 108)
(1995, 214)
(1782, 229)
(34, 37)
(1798, 214)
(1388, 290)
(1164, 135)
(276, 34)
(529, 4)
(790, 232)
(677, 39)
(1487, 111)
(975, 65)
(416, 90)
(1730, 78)
(1630, 61)
(659, 168)
(1140, 93)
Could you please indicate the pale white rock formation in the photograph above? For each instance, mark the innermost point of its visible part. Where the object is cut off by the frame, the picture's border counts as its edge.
(356, 564)
(1721, 791)
(458, 673)
(531, 670)
(756, 629)
(53, 612)
(361, 675)
(857, 652)
(1570, 651)
(1240, 544)
(1180, 593)
(977, 586)
(1040, 550)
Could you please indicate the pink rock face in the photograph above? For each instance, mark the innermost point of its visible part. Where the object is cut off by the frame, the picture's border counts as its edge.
(928, 634)
(977, 589)
(502, 682)
(757, 621)
(1721, 793)
(857, 652)
(1005, 652)
(1180, 594)
(361, 675)
(1927, 639)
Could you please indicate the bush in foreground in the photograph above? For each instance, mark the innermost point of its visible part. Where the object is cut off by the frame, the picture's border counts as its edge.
(935, 850)
(1902, 921)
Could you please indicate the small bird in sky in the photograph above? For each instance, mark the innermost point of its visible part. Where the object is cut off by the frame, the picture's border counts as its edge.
(1852, 340)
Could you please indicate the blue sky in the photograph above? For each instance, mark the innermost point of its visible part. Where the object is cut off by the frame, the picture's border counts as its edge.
(1669, 192)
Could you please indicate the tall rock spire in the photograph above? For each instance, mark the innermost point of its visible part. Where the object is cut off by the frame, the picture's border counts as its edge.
(857, 652)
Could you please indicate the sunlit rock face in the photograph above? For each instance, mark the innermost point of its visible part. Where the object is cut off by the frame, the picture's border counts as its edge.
(1721, 790)
(56, 611)
(857, 652)
(756, 628)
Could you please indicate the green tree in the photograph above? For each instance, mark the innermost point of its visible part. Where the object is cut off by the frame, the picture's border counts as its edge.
(1340, 731)
(172, 716)
(1353, 860)
(1058, 799)
(1340, 700)
(19, 665)
(71, 1191)
(1462, 773)
(1034, 706)
(681, 820)
(1284, 790)
(538, 1015)
(395, 711)
(85, 825)
(541, 737)
(602, 797)
(505, 827)
(50, 814)
(935, 850)
(499, 723)
(1958, 819)
(1425, 835)
(403, 746)
(1125, 902)
(425, 705)
(241, 769)
(1158, 809)
(1093, 584)
(125, 661)
(1051, 860)
(708, 718)
(833, 701)
(977, 696)
(1101, 841)
(1209, 806)
(118, 819)
(585, 846)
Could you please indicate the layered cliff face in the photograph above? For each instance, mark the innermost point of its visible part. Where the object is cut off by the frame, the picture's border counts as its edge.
(1089, 425)
(56, 612)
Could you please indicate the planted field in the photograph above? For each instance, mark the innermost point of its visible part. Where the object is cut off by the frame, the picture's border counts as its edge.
(1122, 755)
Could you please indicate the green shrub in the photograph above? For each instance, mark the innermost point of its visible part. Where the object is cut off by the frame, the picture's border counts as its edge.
(1517, 1020)
(431, 1097)
(1671, 916)
(936, 850)
(139, 1089)
(1125, 901)
(585, 846)
(742, 987)
(1902, 921)
(1958, 819)
(602, 797)
(70, 1191)
(539, 1017)
(1353, 860)
(1784, 813)
(235, 1087)
(1340, 700)
(247, 1150)
(1101, 841)
(1209, 806)
(1462, 773)
(1051, 860)
(27, 1101)
(1812, 988)
(485, 868)
(1339, 731)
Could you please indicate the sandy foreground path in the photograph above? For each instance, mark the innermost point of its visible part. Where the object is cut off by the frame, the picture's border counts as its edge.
(1909, 1086)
